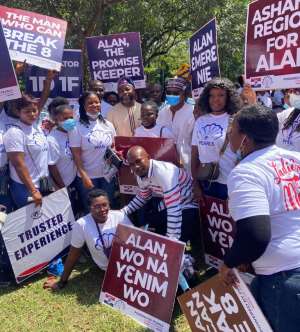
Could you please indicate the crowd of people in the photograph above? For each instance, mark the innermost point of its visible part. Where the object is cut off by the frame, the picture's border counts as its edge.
(232, 143)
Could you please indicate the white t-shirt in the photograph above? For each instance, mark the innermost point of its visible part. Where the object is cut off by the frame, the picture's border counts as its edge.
(209, 136)
(154, 132)
(266, 182)
(31, 141)
(7, 121)
(181, 125)
(105, 108)
(93, 139)
(85, 231)
(60, 155)
(288, 138)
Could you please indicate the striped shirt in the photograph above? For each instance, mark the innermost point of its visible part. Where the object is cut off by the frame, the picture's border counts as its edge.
(171, 183)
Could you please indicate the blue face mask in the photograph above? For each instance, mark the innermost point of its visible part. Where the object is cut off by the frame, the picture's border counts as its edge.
(68, 124)
(286, 106)
(172, 100)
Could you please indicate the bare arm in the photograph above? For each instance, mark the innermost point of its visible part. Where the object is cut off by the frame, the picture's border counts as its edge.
(54, 172)
(18, 162)
(46, 89)
(76, 152)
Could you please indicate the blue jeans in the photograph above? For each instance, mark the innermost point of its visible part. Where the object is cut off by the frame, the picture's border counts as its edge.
(278, 295)
(19, 193)
(99, 183)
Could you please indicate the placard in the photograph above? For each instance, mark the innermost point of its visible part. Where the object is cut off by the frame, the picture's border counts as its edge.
(142, 276)
(158, 148)
(272, 56)
(34, 236)
(115, 56)
(211, 306)
(9, 87)
(36, 38)
(67, 84)
(204, 57)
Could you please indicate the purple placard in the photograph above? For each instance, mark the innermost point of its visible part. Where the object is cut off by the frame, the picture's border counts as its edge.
(33, 37)
(9, 88)
(204, 56)
(67, 84)
(114, 56)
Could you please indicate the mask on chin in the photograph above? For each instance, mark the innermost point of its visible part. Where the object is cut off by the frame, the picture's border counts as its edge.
(93, 116)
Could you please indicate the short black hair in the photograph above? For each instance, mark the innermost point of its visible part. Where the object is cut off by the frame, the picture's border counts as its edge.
(57, 101)
(94, 193)
(259, 123)
(59, 109)
(152, 104)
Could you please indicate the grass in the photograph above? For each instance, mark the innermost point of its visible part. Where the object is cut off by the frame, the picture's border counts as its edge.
(28, 307)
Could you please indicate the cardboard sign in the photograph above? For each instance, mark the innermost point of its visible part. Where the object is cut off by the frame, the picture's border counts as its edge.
(272, 57)
(211, 306)
(9, 87)
(142, 276)
(218, 230)
(67, 84)
(158, 148)
(204, 57)
(115, 56)
(33, 236)
(33, 37)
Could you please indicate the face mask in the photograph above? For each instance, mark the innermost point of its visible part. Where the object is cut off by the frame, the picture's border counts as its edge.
(190, 101)
(172, 100)
(68, 124)
(286, 106)
(238, 152)
(93, 116)
(295, 100)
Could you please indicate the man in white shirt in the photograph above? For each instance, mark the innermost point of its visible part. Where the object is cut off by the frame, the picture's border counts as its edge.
(178, 116)
(97, 230)
(264, 200)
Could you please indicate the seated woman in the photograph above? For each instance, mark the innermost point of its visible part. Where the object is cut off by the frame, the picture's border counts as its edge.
(96, 230)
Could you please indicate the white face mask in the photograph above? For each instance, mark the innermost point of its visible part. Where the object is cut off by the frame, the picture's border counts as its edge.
(295, 100)
(93, 116)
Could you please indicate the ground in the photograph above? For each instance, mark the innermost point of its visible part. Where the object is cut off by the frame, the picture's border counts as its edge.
(76, 308)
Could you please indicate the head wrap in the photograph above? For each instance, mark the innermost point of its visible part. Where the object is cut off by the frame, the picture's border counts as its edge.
(184, 71)
(125, 81)
(177, 83)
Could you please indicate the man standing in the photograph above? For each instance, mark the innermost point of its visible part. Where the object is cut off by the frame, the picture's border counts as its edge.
(177, 213)
(125, 116)
(98, 87)
(178, 116)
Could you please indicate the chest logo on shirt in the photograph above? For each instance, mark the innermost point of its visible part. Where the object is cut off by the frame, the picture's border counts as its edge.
(287, 177)
(210, 133)
(107, 239)
(39, 140)
(99, 139)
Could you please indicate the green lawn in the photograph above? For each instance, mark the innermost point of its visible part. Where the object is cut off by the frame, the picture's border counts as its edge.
(76, 308)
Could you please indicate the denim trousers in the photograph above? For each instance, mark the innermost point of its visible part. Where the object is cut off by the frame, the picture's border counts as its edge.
(99, 183)
(278, 295)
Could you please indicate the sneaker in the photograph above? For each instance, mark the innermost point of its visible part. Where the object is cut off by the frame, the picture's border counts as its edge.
(56, 268)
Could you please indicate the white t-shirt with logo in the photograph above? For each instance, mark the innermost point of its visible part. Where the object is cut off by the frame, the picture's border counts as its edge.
(154, 132)
(266, 182)
(33, 143)
(288, 138)
(60, 155)
(181, 126)
(209, 136)
(85, 232)
(93, 139)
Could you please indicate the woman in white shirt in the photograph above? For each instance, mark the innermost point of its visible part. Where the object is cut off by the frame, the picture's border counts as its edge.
(218, 101)
(61, 163)
(96, 230)
(27, 152)
(289, 122)
(89, 142)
